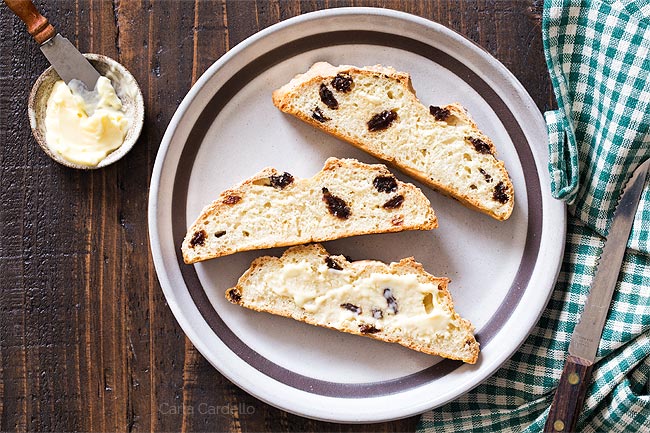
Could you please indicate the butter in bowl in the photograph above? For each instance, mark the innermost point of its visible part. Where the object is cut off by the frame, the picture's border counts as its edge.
(87, 129)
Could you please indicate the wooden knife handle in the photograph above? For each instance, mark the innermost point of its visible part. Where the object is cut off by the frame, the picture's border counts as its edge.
(37, 24)
(570, 395)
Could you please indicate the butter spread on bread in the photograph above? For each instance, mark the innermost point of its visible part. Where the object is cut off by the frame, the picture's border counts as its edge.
(397, 302)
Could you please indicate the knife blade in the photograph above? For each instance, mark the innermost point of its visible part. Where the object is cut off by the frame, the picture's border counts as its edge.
(67, 61)
(586, 336)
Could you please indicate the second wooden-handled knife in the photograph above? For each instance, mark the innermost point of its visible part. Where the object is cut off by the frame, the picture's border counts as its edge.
(68, 62)
(572, 388)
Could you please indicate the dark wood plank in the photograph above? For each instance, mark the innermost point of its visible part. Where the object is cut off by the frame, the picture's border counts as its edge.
(35, 330)
(156, 44)
(87, 341)
(13, 177)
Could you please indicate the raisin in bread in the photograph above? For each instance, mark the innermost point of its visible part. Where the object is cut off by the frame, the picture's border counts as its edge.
(397, 303)
(346, 198)
(375, 108)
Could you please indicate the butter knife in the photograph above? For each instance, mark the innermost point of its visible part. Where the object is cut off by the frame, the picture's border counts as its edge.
(67, 61)
(586, 336)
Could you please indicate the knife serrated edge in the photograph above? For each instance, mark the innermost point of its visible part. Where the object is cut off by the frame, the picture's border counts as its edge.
(587, 333)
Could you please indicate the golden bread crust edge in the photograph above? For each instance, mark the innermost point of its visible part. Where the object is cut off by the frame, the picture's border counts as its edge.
(331, 164)
(282, 99)
(235, 296)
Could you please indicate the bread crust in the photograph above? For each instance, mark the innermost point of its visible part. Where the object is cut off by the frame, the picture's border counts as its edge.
(333, 165)
(237, 295)
(283, 97)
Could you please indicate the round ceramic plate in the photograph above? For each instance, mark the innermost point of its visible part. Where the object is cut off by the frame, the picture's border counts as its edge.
(227, 129)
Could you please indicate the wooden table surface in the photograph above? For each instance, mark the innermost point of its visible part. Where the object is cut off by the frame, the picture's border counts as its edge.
(87, 342)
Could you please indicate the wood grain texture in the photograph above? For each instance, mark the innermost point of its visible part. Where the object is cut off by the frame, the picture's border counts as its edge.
(569, 396)
(37, 25)
(87, 342)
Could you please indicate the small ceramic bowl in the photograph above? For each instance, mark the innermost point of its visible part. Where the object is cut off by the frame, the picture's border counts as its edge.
(127, 90)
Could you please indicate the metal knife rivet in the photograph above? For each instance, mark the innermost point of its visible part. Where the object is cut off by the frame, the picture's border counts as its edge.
(558, 425)
(574, 379)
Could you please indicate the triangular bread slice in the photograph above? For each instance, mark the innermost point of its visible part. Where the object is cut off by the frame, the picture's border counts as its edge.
(397, 303)
(273, 209)
(375, 109)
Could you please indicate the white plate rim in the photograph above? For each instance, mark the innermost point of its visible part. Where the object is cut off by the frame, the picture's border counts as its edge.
(331, 409)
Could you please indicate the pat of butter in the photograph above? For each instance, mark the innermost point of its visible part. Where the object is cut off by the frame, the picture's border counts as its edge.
(85, 133)
(373, 99)
(324, 292)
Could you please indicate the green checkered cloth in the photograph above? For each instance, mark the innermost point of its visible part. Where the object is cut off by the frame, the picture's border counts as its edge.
(598, 57)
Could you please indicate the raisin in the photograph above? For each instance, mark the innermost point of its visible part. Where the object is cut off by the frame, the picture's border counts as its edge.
(351, 307)
(281, 181)
(398, 220)
(342, 83)
(382, 120)
(327, 97)
(367, 329)
(232, 199)
(318, 115)
(385, 183)
(390, 300)
(234, 296)
(333, 264)
(439, 113)
(500, 193)
(220, 233)
(336, 205)
(198, 238)
(480, 145)
(377, 314)
(394, 202)
(487, 177)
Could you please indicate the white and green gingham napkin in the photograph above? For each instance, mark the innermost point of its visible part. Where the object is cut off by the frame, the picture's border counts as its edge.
(598, 54)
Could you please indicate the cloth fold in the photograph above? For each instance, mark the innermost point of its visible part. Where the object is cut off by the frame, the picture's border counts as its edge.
(598, 55)
(563, 165)
(598, 58)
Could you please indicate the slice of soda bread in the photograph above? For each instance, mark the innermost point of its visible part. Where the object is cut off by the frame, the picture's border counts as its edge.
(397, 303)
(272, 209)
(375, 109)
